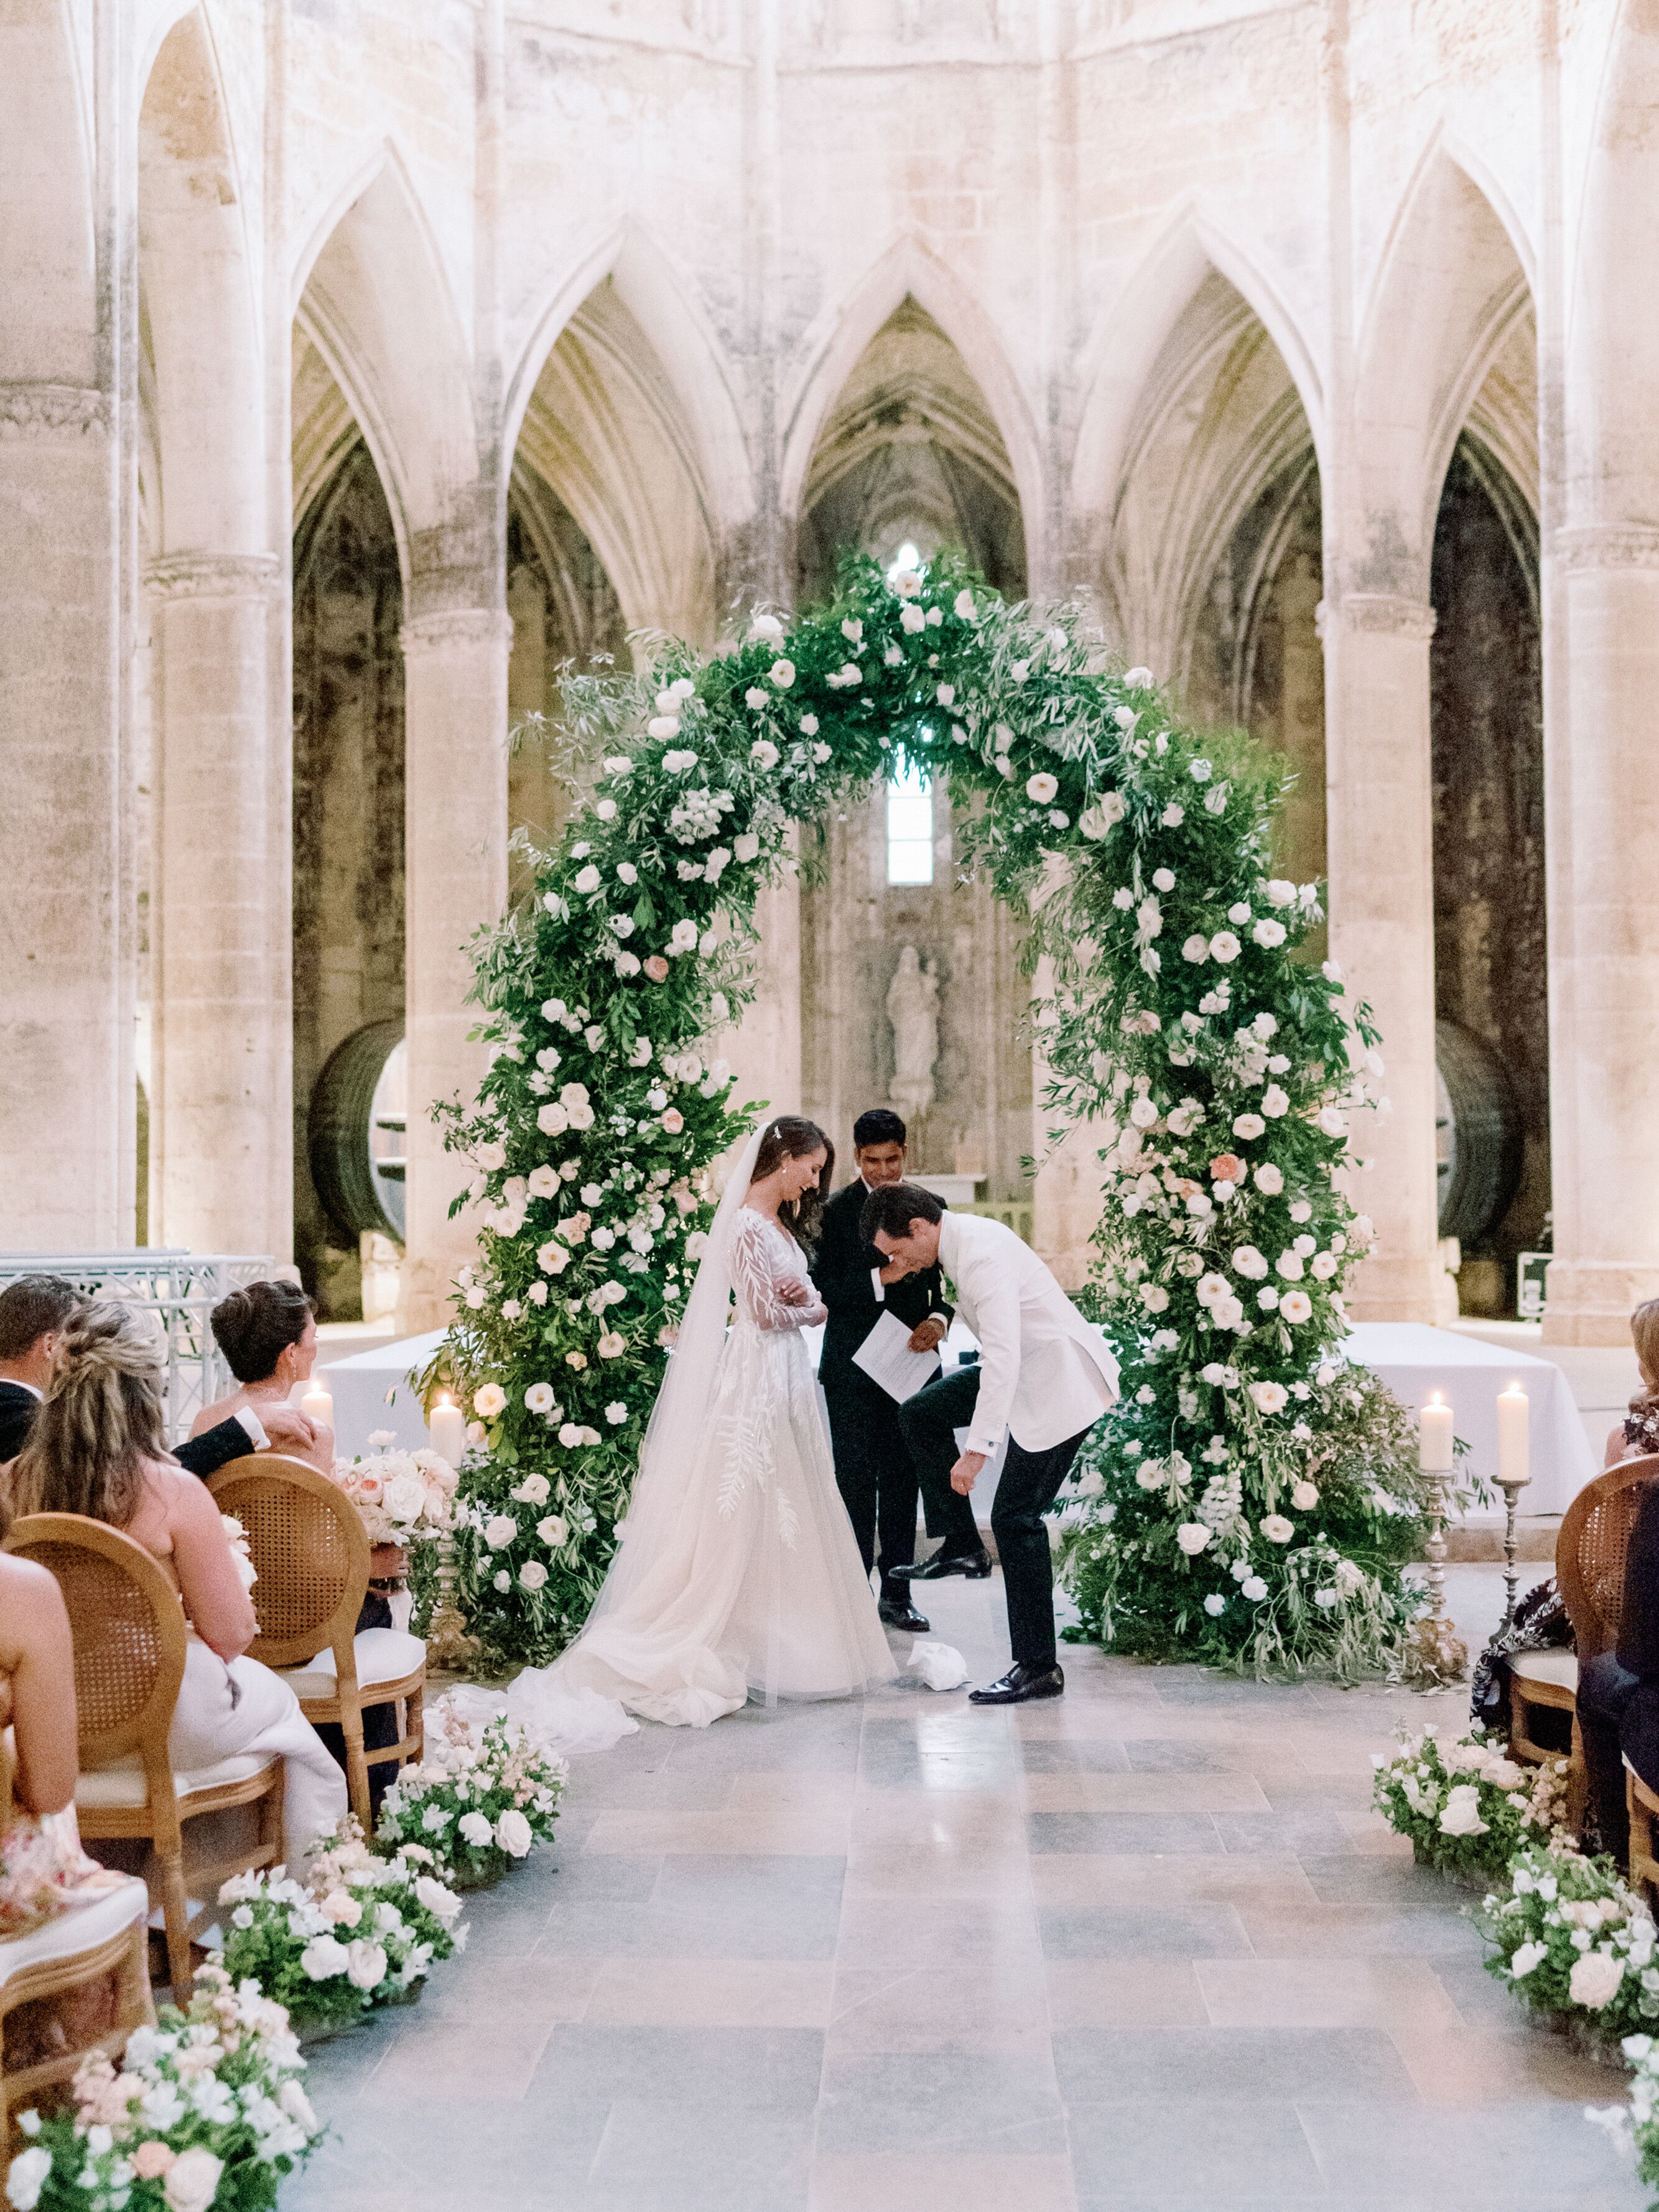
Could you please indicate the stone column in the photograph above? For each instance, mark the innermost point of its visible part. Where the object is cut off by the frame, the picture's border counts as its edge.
(67, 1100)
(455, 739)
(1603, 824)
(1379, 835)
(221, 1117)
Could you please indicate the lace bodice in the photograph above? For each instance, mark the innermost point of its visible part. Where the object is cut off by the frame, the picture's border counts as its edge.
(764, 1258)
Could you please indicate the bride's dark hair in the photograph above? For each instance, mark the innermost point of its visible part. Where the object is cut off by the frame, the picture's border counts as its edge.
(792, 1137)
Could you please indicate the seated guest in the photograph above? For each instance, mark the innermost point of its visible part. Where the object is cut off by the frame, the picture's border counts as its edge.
(96, 1449)
(43, 1868)
(1618, 1690)
(268, 1334)
(35, 1310)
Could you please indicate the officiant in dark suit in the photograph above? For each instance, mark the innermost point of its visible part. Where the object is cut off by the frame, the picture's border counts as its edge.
(875, 1470)
(34, 1311)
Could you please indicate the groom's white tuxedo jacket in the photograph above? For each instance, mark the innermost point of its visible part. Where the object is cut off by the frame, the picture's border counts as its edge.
(1045, 1372)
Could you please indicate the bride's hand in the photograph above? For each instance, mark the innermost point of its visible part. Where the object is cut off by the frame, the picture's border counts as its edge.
(794, 1292)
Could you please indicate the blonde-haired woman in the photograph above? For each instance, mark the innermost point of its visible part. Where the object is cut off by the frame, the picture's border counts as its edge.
(1638, 1434)
(98, 1448)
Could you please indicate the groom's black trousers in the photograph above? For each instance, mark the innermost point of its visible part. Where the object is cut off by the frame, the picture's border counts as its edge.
(1029, 1485)
(875, 1470)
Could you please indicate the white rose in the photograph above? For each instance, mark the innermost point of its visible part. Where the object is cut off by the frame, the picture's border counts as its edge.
(500, 1530)
(754, 696)
(1196, 949)
(531, 1574)
(405, 1498)
(1154, 1297)
(1224, 945)
(1253, 1588)
(1595, 1979)
(1269, 1179)
(489, 1401)
(1269, 935)
(533, 1489)
(554, 1532)
(1304, 1496)
(1249, 1126)
(1249, 1263)
(1137, 680)
(1212, 1287)
(1214, 1604)
(766, 626)
(1042, 788)
(612, 1346)
(746, 848)
(1193, 1537)
(513, 1833)
(1097, 821)
(192, 2182)
(963, 607)
(683, 937)
(660, 726)
(1529, 1956)
(26, 2176)
(912, 619)
(323, 1958)
(586, 879)
(1269, 1397)
(1275, 1103)
(1461, 1815)
(763, 753)
(367, 1964)
(782, 674)
(553, 1120)
(1296, 1306)
(477, 1831)
(1276, 1528)
(1227, 1313)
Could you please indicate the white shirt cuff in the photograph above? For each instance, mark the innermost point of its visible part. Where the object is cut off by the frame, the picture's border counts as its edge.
(986, 1444)
(878, 1286)
(255, 1428)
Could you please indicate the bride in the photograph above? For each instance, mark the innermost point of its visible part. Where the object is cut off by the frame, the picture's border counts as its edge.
(737, 1573)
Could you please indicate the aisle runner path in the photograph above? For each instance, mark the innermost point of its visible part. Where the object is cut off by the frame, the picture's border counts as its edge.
(1144, 1949)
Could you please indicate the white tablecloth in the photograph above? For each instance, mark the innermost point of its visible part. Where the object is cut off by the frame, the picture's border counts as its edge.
(371, 1391)
(1415, 1360)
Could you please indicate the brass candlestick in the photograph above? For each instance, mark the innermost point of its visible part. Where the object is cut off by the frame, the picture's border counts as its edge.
(1511, 1485)
(448, 1645)
(1436, 1656)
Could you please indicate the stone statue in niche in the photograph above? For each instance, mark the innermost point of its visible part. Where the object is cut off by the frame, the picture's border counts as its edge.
(913, 1011)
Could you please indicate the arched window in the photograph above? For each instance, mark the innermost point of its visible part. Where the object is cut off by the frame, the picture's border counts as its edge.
(909, 826)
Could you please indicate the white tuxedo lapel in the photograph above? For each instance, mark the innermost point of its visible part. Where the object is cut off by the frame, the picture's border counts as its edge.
(1046, 1373)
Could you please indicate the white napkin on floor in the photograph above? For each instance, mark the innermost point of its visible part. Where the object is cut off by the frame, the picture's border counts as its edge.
(941, 1666)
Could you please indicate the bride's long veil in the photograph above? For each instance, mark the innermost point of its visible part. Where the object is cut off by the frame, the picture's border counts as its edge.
(679, 1418)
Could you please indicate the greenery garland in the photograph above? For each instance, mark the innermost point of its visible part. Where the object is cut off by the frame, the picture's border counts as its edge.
(1179, 1013)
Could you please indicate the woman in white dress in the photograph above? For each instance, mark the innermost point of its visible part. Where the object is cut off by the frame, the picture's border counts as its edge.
(738, 1575)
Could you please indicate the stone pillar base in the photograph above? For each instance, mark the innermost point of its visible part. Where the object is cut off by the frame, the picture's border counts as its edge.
(1591, 1300)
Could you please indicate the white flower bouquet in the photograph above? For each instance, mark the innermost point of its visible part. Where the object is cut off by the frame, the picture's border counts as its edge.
(1574, 1943)
(236, 1537)
(401, 1497)
(360, 1930)
(1635, 2127)
(206, 2109)
(1466, 1807)
(480, 1799)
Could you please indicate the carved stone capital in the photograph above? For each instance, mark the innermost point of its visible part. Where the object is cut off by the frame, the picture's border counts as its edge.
(52, 410)
(214, 576)
(1377, 614)
(456, 629)
(1605, 545)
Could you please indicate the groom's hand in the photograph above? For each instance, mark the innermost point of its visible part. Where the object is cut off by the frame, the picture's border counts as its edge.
(928, 1336)
(965, 1471)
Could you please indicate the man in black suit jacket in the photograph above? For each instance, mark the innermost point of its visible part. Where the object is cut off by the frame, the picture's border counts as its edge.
(875, 1470)
(36, 1309)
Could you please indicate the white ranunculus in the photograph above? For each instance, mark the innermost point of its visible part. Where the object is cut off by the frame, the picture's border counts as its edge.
(368, 1967)
(1214, 1604)
(766, 626)
(1193, 1537)
(554, 1532)
(1276, 1528)
(192, 2182)
(1249, 1126)
(1296, 1306)
(513, 1833)
(1227, 1313)
(1250, 1263)
(755, 697)
(1304, 1496)
(1212, 1287)
(489, 1399)
(586, 879)
(661, 726)
(531, 1574)
(323, 1958)
(1269, 1180)
(1290, 1265)
(539, 1398)
(782, 674)
(500, 1530)
(1253, 1588)
(1529, 1956)
(1223, 946)
(1269, 1397)
(1267, 1297)
(552, 1258)
(477, 1831)
(1042, 788)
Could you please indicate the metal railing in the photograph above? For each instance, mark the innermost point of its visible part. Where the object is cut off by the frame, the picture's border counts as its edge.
(180, 1289)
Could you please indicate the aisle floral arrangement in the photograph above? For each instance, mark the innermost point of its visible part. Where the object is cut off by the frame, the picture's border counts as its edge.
(1466, 1806)
(480, 1801)
(1635, 2127)
(1574, 1943)
(206, 2110)
(359, 1931)
(1220, 1066)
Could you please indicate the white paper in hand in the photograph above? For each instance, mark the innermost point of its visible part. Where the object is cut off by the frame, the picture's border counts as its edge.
(886, 1357)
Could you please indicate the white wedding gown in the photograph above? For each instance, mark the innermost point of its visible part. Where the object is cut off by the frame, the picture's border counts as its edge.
(738, 1574)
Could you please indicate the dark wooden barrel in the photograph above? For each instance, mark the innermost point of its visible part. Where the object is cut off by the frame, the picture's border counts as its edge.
(355, 1132)
(1477, 1133)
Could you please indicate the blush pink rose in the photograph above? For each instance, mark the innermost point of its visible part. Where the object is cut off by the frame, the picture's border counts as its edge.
(657, 969)
(151, 2159)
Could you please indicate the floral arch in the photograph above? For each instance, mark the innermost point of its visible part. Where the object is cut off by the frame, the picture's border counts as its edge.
(1251, 1499)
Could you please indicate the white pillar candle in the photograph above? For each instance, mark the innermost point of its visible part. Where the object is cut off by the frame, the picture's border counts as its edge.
(318, 1404)
(1435, 1437)
(1513, 1435)
(448, 1429)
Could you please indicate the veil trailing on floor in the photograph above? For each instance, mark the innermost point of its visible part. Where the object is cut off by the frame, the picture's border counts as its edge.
(573, 1720)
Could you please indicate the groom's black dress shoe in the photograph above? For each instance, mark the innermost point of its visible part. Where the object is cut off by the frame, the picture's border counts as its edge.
(1019, 1684)
(899, 1612)
(976, 1565)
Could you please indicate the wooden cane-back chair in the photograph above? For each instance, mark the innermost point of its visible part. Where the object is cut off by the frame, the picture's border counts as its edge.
(89, 1945)
(130, 1637)
(1589, 1573)
(312, 1555)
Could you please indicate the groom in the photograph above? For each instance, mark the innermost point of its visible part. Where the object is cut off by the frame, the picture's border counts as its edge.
(1044, 1374)
(875, 1470)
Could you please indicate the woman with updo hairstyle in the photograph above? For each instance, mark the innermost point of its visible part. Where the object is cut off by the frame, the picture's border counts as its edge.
(268, 1334)
(798, 1150)
(98, 1448)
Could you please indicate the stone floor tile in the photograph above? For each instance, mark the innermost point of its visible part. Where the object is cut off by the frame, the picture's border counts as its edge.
(1143, 1932)
(1299, 1835)
(911, 2101)
(696, 2155)
(1069, 1878)
(1072, 1756)
(710, 1993)
(1095, 2065)
(1353, 1877)
(919, 1931)
(1163, 2151)
(988, 2182)
(1122, 1834)
(1405, 1995)
(806, 1827)
(1145, 1793)
(998, 2010)
(1502, 2065)
(1487, 2159)
(483, 2057)
(702, 2066)
(1125, 1993)
(1356, 1931)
